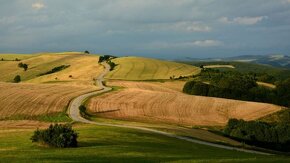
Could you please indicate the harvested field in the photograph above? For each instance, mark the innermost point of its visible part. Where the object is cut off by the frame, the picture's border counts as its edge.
(137, 68)
(83, 68)
(160, 102)
(269, 85)
(219, 66)
(27, 100)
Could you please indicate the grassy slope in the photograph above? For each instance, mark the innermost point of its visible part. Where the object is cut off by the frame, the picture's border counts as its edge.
(137, 68)
(80, 67)
(118, 145)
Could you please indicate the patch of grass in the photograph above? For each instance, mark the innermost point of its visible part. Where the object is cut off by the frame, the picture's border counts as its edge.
(110, 144)
(55, 117)
(282, 116)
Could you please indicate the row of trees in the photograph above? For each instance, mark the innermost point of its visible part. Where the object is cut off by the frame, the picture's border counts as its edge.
(234, 85)
(55, 69)
(274, 136)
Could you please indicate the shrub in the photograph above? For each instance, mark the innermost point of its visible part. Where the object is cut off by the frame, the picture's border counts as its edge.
(57, 135)
(23, 65)
(83, 112)
(87, 52)
(17, 79)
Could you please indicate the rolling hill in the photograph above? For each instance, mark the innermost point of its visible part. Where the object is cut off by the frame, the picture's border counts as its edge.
(25, 101)
(82, 68)
(164, 102)
(137, 68)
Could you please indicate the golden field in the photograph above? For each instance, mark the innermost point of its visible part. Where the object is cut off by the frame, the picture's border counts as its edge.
(164, 102)
(28, 100)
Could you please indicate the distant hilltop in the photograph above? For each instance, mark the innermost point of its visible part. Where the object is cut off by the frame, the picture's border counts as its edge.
(276, 60)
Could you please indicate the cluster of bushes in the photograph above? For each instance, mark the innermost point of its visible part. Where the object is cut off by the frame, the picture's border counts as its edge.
(106, 58)
(234, 85)
(273, 136)
(23, 65)
(55, 69)
(58, 135)
(112, 65)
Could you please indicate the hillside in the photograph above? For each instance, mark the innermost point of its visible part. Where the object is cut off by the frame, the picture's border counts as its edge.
(164, 103)
(82, 68)
(24, 101)
(245, 67)
(137, 68)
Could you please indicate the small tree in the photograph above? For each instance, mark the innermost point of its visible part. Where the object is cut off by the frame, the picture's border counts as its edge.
(23, 65)
(57, 135)
(87, 52)
(17, 79)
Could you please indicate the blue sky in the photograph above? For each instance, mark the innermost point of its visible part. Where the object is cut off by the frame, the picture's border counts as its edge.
(154, 28)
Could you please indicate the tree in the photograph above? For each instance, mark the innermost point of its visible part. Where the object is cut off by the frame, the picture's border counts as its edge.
(87, 52)
(23, 65)
(17, 79)
(57, 135)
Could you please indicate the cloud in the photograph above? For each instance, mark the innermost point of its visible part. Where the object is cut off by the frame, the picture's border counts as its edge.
(205, 43)
(38, 5)
(243, 20)
(192, 26)
(197, 43)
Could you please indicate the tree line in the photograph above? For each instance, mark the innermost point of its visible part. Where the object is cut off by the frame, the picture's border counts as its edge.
(266, 135)
(235, 85)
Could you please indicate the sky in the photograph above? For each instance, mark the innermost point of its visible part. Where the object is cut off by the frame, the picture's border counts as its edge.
(172, 29)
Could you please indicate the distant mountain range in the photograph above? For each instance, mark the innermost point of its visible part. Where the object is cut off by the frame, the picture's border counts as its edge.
(276, 60)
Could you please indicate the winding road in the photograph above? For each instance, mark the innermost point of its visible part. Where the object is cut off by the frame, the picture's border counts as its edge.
(75, 115)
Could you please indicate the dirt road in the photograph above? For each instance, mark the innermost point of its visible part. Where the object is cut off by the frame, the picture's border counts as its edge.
(74, 113)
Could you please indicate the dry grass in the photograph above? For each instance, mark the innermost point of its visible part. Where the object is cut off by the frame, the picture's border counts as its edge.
(83, 68)
(269, 85)
(219, 66)
(160, 102)
(26, 100)
(137, 68)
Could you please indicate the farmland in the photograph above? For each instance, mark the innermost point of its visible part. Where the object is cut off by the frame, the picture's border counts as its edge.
(137, 68)
(22, 101)
(156, 102)
(79, 71)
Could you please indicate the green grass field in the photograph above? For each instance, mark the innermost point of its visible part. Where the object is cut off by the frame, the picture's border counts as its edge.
(108, 144)
(137, 68)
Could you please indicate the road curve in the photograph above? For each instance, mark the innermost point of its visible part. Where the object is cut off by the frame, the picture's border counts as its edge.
(75, 115)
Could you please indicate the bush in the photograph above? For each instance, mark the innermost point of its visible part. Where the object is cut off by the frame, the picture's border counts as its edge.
(17, 79)
(23, 65)
(57, 135)
(112, 65)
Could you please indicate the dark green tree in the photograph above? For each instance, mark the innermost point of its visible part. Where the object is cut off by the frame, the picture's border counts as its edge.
(17, 79)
